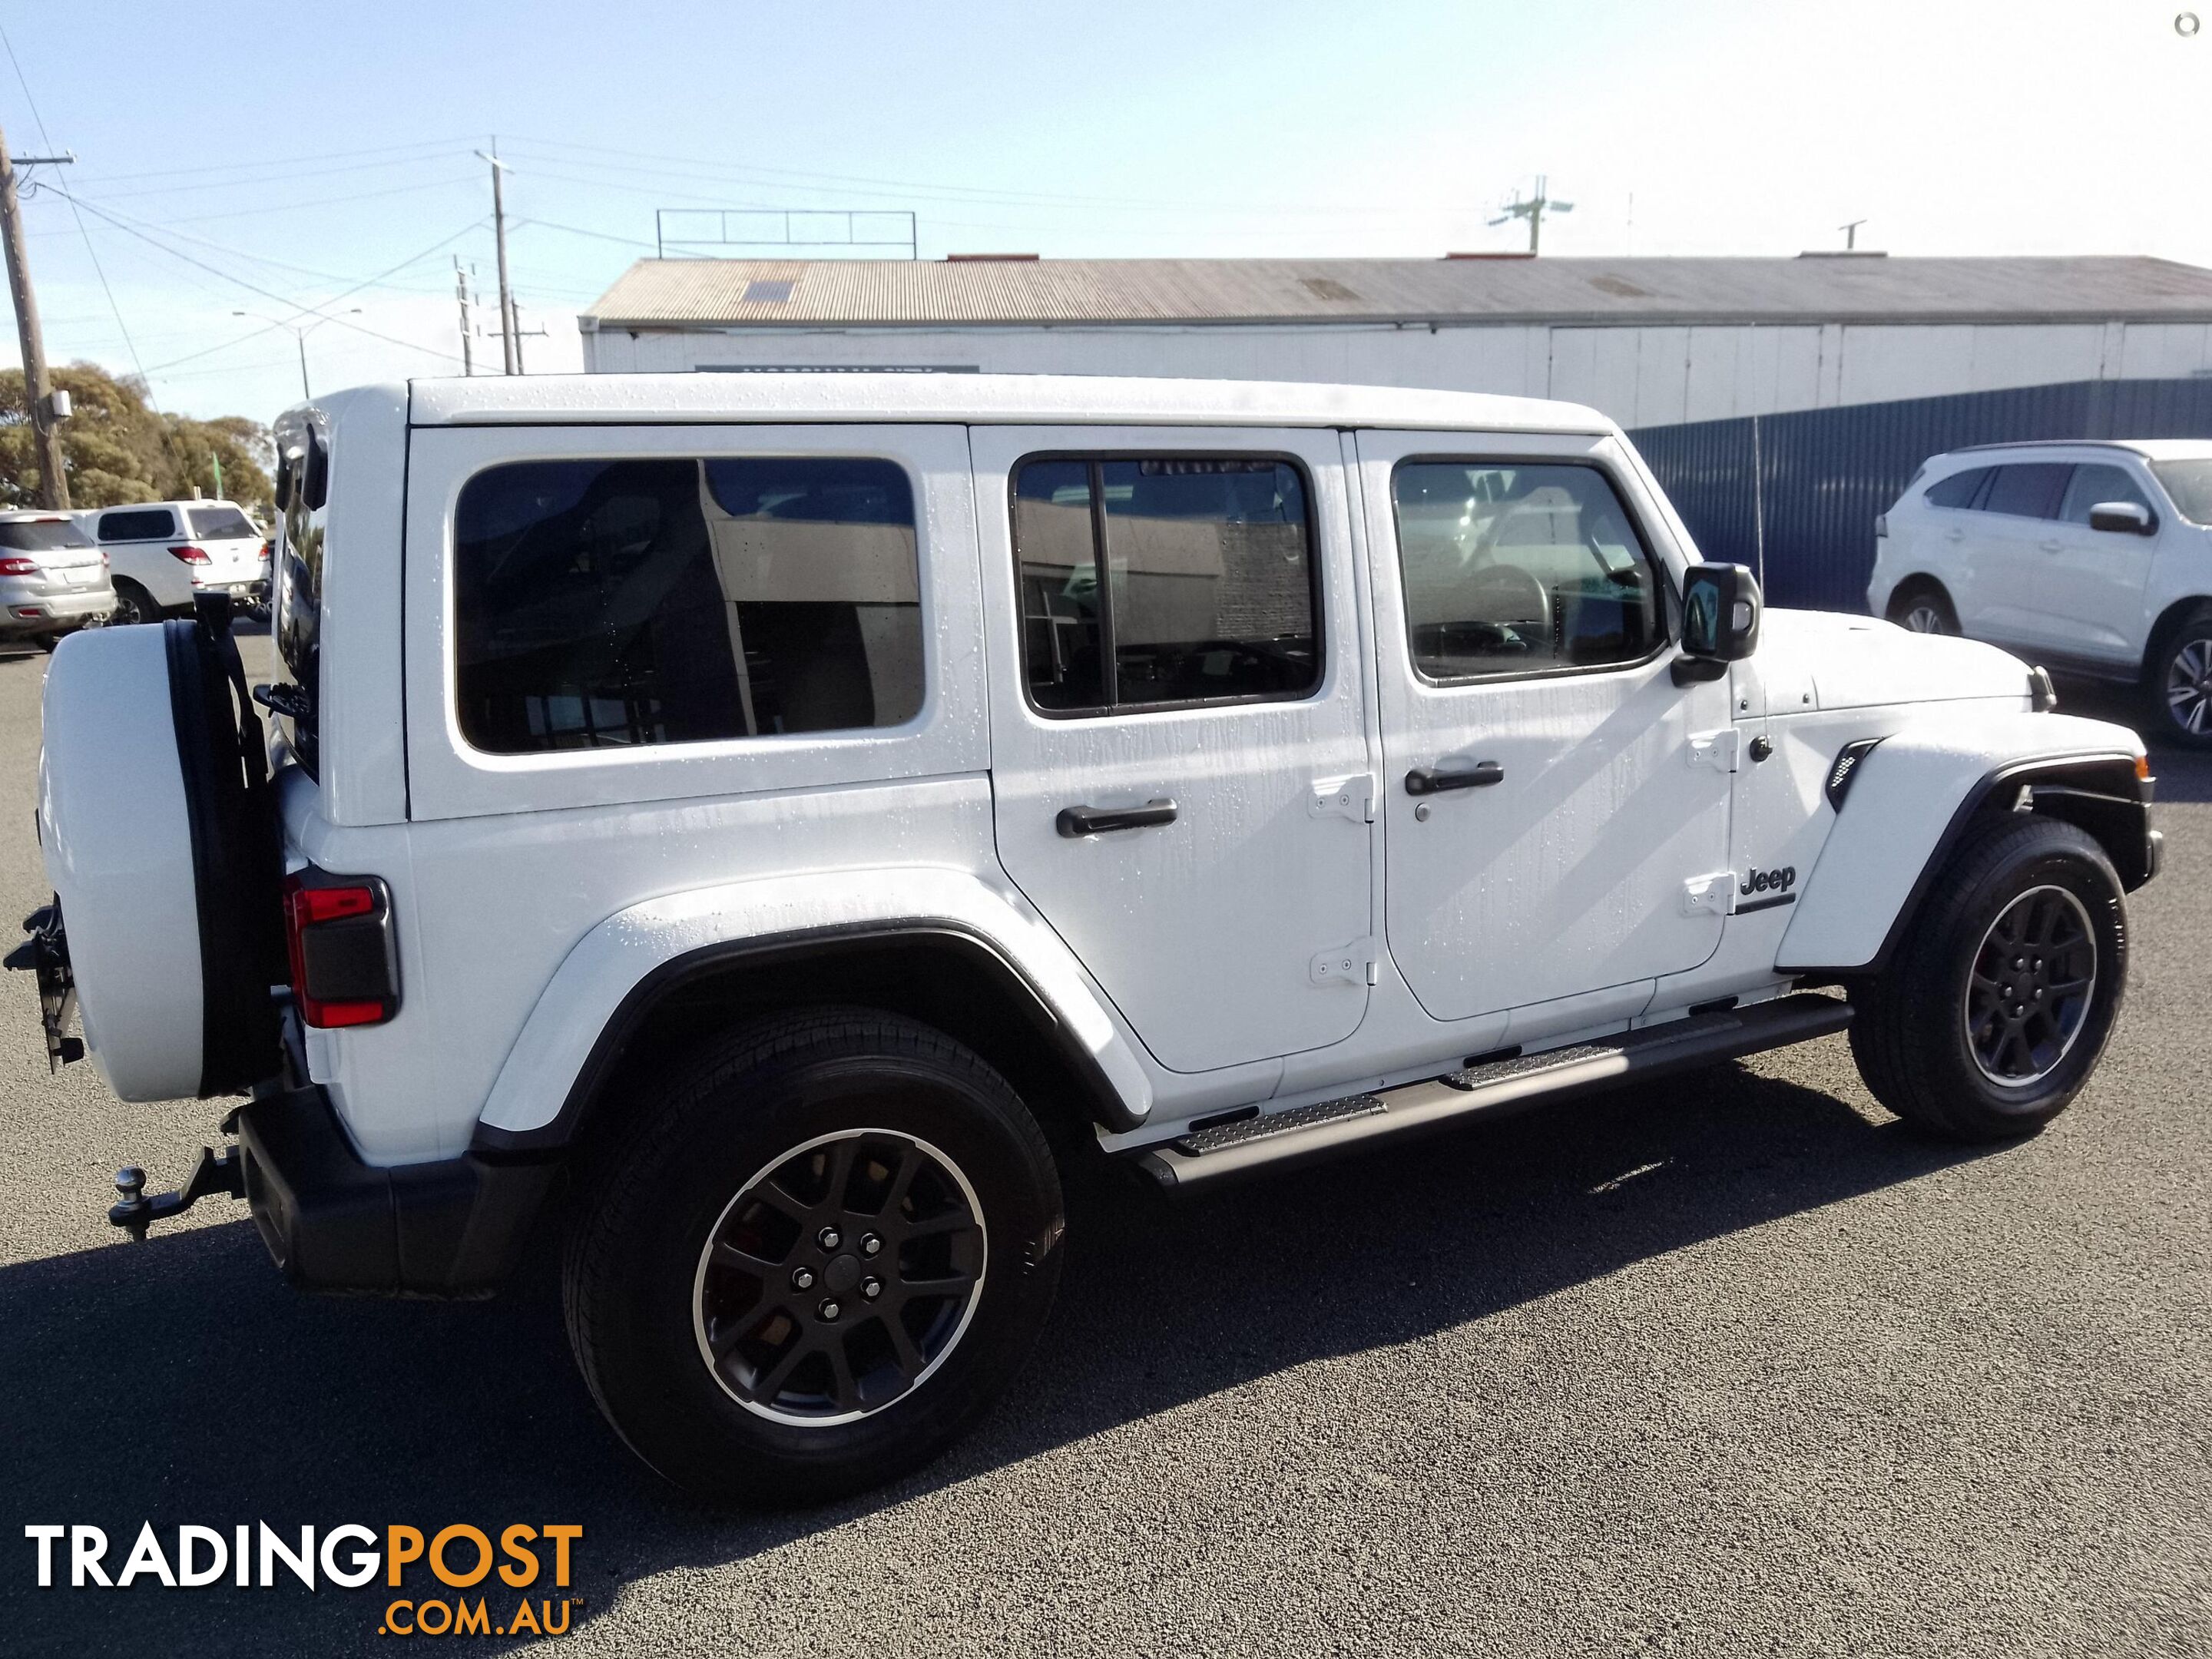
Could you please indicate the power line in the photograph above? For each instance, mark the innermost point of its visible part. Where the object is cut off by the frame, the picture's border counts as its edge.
(289, 160)
(437, 247)
(271, 294)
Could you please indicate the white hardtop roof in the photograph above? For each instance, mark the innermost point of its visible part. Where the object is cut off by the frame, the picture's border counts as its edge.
(976, 400)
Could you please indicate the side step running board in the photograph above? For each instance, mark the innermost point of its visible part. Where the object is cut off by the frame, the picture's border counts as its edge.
(1306, 1132)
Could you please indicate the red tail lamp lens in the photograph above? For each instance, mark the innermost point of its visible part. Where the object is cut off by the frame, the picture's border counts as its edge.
(190, 555)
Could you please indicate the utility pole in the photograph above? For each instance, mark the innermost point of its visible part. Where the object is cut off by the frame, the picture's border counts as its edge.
(38, 390)
(1852, 235)
(1533, 211)
(507, 353)
(468, 346)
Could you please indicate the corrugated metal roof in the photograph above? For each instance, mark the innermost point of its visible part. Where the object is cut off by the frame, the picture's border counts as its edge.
(865, 293)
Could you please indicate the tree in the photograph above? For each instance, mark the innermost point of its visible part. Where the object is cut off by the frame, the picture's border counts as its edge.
(118, 448)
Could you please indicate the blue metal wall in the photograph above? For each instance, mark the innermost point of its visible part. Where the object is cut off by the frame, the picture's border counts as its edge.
(1825, 473)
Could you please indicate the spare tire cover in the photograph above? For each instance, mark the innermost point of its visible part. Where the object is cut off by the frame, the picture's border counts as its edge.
(161, 840)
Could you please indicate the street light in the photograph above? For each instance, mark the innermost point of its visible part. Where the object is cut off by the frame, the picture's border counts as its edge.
(298, 334)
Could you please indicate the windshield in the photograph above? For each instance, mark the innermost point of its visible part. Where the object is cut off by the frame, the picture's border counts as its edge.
(217, 524)
(42, 535)
(2190, 483)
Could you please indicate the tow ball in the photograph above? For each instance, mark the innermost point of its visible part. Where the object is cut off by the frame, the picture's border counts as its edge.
(217, 1172)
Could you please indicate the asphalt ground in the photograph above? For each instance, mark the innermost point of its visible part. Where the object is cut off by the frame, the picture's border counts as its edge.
(1732, 1365)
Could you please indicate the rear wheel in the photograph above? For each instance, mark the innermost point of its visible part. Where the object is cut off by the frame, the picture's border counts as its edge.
(2177, 680)
(133, 603)
(828, 1243)
(1994, 1013)
(1923, 608)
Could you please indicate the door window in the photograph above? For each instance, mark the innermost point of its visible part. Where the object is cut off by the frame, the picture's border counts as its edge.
(1163, 581)
(143, 524)
(2031, 489)
(606, 604)
(1520, 570)
(2094, 485)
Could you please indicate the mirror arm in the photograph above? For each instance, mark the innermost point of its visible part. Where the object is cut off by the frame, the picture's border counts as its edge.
(1697, 671)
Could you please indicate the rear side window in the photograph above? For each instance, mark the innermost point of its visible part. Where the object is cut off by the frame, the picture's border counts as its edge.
(219, 524)
(2092, 486)
(1517, 570)
(2030, 490)
(1157, 581)
(42, 535)
(1959, 490)
(143, 524)
(612, 604)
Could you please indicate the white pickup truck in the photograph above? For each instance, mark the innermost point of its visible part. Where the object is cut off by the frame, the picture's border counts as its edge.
(792, 815)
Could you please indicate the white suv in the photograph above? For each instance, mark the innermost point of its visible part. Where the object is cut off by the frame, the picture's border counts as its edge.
(2093, 558)
(800, 814)
(162, 556)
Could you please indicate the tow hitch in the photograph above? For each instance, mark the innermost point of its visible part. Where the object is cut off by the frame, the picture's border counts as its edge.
(217, 1172)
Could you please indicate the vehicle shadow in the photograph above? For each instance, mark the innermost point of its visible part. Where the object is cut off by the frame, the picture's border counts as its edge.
(180, 1382)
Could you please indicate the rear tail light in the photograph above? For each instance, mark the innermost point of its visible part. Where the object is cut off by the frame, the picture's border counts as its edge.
(190, 555)
(1880, 526)
(344, 961)
(18, 567)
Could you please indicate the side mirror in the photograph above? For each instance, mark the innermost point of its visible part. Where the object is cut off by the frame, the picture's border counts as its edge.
(1721, 606)
(2131, 518)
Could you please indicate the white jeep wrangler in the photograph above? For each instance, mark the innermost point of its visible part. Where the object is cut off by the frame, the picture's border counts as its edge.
(798, 810)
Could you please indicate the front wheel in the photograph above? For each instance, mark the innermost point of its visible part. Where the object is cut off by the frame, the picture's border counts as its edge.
(828, 1243)
(1993, 1013)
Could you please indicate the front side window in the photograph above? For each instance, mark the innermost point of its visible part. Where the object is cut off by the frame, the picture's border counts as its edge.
(2092, 486)
(612, 603)
(1163, 580)
(1520, 570)
(2031, 489)
(139, 524)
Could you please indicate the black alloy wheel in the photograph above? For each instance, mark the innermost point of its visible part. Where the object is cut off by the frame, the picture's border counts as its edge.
(840, 1278)
(2033, 980)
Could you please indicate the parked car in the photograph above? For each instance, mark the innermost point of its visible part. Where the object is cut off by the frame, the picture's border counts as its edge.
(802, 812)
(162, 555)
(2094, 558)
(52, 579)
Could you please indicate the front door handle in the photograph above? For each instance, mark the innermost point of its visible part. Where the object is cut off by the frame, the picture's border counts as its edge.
(1075, 822)
(1431, 780)
(2052, 547)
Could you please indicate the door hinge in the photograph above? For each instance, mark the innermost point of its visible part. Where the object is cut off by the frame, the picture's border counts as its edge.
(1350, 798)
(1721, 751)
(1355, 963)
(1709, 895)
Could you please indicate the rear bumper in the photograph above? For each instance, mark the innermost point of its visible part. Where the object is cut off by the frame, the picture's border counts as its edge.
(47, 613)
(451, 1228)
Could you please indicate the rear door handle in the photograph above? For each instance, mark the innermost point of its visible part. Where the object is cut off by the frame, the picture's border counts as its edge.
(1075, 822)
(1954, 534)
(1431, 780)
(2052, 547)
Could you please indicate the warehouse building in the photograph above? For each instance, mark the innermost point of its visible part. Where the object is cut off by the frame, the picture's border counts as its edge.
(1784, 402)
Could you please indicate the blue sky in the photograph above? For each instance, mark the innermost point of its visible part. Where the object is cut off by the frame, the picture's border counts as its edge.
(299, 160)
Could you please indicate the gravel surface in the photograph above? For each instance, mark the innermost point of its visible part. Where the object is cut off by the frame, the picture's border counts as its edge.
(1734, 1365)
